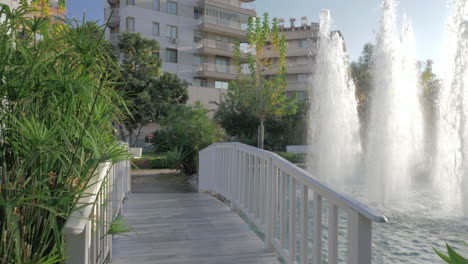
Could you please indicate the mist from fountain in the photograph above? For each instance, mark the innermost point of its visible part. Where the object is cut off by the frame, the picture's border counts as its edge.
(449, 173)
(334, 128)
(395, 130)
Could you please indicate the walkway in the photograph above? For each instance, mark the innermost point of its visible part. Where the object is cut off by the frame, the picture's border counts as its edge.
(184, 228)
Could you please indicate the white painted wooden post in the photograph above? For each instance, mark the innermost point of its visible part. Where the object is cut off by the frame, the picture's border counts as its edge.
(292, 220)
(274, 206)
(78, 247)
(359, 239)
(282, 209)
(304, 224)
(317, 243)
(269, 205)
(332, 234)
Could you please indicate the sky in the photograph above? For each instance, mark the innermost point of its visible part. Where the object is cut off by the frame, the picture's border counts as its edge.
(358, 20)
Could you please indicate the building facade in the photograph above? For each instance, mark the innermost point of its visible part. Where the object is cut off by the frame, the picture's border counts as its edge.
(196, 37)
(302, 41)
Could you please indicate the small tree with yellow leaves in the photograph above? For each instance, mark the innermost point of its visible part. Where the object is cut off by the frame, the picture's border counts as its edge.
(262, 91)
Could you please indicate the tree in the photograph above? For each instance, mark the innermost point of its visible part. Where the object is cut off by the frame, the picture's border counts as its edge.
(430, 86)
(262, 94)
(148, 93)
(361, 72)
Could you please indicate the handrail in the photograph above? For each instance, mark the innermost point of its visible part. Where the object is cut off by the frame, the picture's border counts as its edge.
(86, 231)
(80, 218)
(256, 182)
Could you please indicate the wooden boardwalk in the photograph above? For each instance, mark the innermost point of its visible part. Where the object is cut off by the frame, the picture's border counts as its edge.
(185, 228)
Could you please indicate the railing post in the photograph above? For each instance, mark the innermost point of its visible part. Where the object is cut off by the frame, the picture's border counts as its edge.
(78, 247)
(359, 239)
(269, 206)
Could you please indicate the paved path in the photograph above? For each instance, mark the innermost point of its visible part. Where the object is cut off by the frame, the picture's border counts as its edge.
(180, 228)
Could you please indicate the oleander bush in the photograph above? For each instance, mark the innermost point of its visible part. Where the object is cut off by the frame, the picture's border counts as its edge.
(57, 108)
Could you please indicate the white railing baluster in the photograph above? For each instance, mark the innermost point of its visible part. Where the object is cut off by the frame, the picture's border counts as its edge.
(282, 209)
(304, 225)
(332, 234)
(269, 204)
(256, 181)
(359, 239)
(261, 200)
(292, 220)
(317, 243)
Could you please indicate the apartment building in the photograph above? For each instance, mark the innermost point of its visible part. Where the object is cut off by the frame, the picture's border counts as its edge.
(302, 41)
(196, 37)
(56, 8)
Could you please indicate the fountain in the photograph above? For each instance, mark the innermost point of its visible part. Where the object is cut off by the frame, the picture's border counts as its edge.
(395, 129)
(334, 134)
(451, 160)
(424, 199)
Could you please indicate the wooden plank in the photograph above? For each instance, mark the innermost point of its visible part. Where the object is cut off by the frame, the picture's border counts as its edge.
(186, 228)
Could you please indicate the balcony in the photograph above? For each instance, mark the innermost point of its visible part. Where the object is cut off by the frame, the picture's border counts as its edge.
(223, 26)
(232, 5)
(209, 70)
(114, 38)
(114, 14)
(217, 47)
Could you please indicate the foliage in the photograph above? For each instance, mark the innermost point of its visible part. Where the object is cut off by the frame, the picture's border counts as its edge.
(263, 91)
(293, 157)
(188, 128)
(453, 257)
(149, 94)
(178, 159)
(58, 102)
(240, 124)
(119, 226)
(430, 85)
(161, 162)
(361, 72)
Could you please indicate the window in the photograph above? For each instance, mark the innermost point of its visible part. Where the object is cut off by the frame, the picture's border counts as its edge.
(130, 2)
(171, 31)
(155, 28)
(197, 36)
(302, 43)
(221, 85)
(171, 55)
(302, 77)
(156, 4)
(222, 64)
(200, 82)
(130, 24)
(172, 7)
(197, 12)
(197, 59)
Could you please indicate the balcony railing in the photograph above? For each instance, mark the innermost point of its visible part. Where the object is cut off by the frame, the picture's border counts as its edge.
(209, 67)
(275, 194)
(222, 22)
(216, 44)
(237, 3)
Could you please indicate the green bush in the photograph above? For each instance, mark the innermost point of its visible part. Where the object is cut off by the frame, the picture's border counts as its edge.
(188, 129)
(57, 107)
(161, 162)
(293, 157)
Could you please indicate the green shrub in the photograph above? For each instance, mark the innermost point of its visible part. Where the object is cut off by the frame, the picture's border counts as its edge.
(179, 159)
(161, 162)
(293, 157)
(187, 128)
(57, 107)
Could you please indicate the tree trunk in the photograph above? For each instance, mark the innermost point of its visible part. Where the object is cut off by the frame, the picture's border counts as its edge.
(261, 133)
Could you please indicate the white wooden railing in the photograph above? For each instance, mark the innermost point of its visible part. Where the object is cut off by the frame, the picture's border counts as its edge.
(276, 196)
(86, 232)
